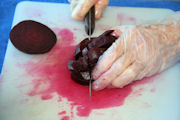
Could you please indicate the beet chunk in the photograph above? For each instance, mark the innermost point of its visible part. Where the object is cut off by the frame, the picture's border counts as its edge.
(94, 55)
(81, 77)
(86, 56)
(83, 44)
(81, 65)
(103, 41)
(32, 37)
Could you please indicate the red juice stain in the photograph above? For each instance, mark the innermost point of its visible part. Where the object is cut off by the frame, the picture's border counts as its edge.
(120, 17)
(65, 118)
(124, 18)
(46, 97)
(61, 113)
(52, 71)
(153, 90)
(66, 36)
(132, 19)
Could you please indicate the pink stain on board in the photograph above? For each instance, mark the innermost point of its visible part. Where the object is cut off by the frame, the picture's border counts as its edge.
(132, 19)
(121, 17)
(51, 71)
(65, 118)
(61, 113)
(46, 97)
(153, 90)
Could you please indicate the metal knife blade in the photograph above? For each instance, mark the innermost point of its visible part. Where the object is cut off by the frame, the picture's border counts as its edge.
(89, 28)
(90, 21)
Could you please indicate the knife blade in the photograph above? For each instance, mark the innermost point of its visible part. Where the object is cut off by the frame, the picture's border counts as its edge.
(89, 28)
(90, 21)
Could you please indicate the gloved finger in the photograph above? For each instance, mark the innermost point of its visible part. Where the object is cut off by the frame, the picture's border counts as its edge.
(116, 69)
(151, 68)
(110, 86)
(128, 75)
(115, 50)
(120, 29)
(107, 59)
(80, 8)
(99, 7)
(141, 74)
(73, 4)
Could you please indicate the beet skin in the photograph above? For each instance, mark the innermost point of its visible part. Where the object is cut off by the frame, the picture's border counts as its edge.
(32, 37)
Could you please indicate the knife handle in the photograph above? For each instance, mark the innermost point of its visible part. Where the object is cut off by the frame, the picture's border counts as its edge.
(90, 24)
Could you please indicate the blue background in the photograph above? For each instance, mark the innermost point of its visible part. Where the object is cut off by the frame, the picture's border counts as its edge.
(7, 9)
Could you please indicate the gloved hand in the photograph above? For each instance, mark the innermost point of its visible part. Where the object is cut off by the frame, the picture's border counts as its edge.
(79, 8)
(140, 51)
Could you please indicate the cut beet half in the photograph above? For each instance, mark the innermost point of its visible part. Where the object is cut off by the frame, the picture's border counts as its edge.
(32, 37)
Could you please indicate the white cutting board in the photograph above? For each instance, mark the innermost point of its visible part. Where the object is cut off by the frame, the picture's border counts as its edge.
(27, 94)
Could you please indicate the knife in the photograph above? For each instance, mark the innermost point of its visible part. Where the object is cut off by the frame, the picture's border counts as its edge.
(89, 28)
(90, 21)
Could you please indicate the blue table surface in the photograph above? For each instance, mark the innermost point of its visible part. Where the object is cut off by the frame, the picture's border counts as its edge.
(7, 9)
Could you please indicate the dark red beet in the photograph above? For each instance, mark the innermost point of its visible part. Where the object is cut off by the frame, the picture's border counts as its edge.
(78, 77)
(86, 56)
(103, 41)
(94, 55)
(83, 44)
(32, 37)
(81, 65)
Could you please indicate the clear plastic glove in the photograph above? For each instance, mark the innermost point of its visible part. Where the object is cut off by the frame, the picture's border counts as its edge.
(140, 51)
(79, 8)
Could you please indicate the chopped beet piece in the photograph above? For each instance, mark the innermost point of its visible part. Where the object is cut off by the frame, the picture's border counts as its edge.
(83, 44)
(103, 41)
(94, 55)
(81, 64)
(86, 56)
(32, 37)
(79, 78)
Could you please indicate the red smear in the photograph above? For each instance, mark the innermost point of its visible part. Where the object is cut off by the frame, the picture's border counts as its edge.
(61, 113)
(132, 19)
(120, 18)
(75, 29)
(46, 97)
(66, 36)
(124, 18)
(52, 72)
(65, 118)
(153, 90)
